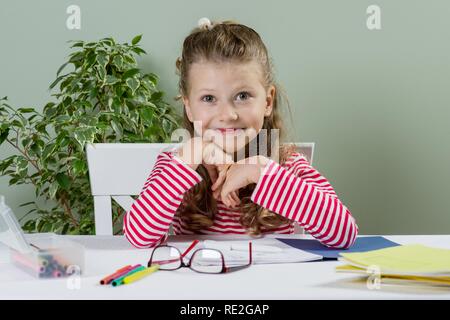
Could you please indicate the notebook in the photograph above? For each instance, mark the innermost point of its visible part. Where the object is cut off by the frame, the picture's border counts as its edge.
(362, 244)
(412, 259)
(412, 263)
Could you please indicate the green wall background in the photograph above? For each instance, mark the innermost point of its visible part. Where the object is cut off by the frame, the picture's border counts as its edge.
(376, 103)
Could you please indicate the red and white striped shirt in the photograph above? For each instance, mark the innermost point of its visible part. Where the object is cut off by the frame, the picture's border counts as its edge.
(295, 190)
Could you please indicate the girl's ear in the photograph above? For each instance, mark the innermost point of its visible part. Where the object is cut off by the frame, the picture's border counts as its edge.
(269, 100)
(187, 107)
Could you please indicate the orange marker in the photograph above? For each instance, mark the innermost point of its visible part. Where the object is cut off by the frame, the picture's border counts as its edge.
(118, 273)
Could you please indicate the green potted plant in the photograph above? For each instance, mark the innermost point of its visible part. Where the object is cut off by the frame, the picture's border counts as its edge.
(104, 98)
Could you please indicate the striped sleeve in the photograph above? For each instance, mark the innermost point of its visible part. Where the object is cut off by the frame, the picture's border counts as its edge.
(302, 194)
(147, 223)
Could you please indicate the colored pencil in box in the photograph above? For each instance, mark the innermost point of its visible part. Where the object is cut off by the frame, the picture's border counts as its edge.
(116, 274)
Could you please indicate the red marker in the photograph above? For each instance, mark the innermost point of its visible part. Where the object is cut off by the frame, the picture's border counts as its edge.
(118, 273)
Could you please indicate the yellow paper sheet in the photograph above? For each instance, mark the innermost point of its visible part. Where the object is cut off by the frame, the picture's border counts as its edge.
(414, 259)
(439, 280)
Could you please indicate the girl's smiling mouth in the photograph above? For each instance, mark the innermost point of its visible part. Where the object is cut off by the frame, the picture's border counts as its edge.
(231, 131)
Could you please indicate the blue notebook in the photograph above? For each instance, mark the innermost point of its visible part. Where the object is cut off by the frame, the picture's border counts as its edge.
(361, 244)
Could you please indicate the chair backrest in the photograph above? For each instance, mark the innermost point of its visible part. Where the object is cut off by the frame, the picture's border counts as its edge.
(119, 170)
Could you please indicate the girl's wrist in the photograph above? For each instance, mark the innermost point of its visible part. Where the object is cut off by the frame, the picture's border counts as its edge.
(261, 163)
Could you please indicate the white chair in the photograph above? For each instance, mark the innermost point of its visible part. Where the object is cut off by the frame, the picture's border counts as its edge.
(119, 170)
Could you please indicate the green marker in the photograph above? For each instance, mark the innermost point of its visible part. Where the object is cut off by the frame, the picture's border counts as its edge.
(119, 281)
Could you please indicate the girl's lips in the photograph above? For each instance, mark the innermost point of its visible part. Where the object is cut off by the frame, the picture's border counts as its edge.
(230, 130)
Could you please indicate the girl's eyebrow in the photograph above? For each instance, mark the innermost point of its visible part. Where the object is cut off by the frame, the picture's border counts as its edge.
(238, 88)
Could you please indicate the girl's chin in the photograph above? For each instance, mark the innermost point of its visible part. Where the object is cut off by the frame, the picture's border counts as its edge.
(230, 145)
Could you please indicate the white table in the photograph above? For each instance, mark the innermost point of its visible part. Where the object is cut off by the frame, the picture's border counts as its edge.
(309, 280)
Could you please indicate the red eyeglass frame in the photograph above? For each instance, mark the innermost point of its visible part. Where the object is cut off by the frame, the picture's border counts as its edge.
(191, 246)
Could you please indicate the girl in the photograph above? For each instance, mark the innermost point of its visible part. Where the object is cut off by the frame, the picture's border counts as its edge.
(228, 90)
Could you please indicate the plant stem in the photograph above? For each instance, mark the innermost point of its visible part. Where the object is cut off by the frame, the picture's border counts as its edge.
(68, 209)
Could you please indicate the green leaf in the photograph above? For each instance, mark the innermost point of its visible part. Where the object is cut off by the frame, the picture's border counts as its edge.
(138, 50)
(36, 149)
(136, 39)
(118, 62)
(153, 78)
(61, 68)
(90, 60)
(108, 41)
(63, 180)
(65, 228)
(111, 80)
(147, 115)
(62, 118)
(26, 204)
(117, 128)
(48, 106)
(102, 59)
(54, 83)
(3, 135)
(157, 95)
(130, 59)
(101, 72)
(79, 166)
(85, 135)
(26, 110)
(77, 44)
(130, 73)
(26, 142)
(52, 190)
(166, 126)
(13, 181)
(133, 84)
(29, 226)
(48, 150)
(76, 56)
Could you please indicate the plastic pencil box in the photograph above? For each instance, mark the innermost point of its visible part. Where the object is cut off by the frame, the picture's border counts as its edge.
(43, 255)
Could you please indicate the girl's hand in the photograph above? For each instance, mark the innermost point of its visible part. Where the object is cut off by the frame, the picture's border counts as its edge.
(214, 159)
(217, 162)
(198, 150)
(217, 174)
(239, 175)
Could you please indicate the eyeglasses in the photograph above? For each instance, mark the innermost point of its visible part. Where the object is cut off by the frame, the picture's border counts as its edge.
(202, 260)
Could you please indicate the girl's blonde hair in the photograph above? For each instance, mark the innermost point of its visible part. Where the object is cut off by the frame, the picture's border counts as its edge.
(229, 41)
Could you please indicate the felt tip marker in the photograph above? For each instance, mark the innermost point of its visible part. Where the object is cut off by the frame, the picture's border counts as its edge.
(141, 274)
(119, 281)
(118, 273)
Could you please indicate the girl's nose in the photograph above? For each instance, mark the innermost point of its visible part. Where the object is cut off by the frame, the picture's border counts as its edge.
(228, 113)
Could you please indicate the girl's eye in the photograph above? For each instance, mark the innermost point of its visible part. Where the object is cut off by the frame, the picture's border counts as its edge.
(245, 94)
(203, 99)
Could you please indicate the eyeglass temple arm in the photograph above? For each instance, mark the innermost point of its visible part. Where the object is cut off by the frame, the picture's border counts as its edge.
(193, 244)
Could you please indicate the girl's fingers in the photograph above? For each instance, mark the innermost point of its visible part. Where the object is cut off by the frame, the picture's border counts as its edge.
(230, 201)
(212, 170)
(216, 194)
(235, 197)
(220, 179)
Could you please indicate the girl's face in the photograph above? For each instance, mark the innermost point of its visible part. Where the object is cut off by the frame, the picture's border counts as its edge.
(229, 101)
